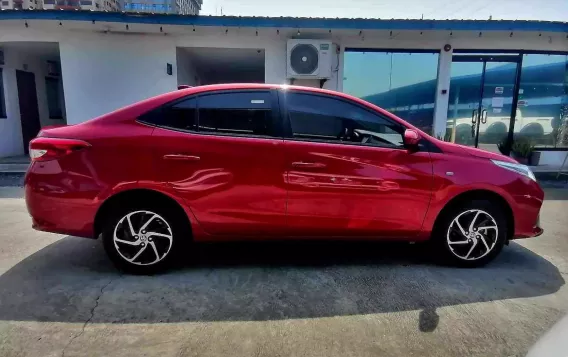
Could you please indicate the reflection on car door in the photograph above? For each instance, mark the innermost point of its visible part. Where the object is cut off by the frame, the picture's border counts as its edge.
(226, 162)
(348, 173)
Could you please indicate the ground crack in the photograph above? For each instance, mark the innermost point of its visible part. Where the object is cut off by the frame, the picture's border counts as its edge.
(89, 319)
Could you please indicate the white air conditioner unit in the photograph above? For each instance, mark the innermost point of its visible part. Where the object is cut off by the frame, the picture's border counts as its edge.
(310, 59)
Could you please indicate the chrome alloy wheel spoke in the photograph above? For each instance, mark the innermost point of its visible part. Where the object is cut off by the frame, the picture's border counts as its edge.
(133, 247)
(478, 240)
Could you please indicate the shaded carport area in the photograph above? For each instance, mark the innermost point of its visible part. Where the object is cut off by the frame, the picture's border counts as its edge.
(209, 65)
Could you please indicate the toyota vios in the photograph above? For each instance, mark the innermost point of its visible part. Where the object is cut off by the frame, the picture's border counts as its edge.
(270, 162)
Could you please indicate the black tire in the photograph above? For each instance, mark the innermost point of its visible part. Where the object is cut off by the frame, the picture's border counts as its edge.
(494, 239)
(167, 217)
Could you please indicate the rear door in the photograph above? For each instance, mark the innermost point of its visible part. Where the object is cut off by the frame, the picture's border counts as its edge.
(348, 173)
(221, 153)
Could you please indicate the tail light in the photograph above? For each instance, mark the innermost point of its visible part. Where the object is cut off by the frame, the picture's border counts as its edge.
(45, 149)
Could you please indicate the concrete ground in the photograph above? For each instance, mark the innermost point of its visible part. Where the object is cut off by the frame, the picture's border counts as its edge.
(60, 296)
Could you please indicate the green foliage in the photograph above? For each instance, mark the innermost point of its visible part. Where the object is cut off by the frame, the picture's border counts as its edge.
(502, 145)
(522, 147)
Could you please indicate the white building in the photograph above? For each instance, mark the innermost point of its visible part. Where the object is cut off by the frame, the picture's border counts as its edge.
(510, 75)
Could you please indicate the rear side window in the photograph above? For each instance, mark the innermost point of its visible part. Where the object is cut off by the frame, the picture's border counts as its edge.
(182, 115)
(240, 113)
(321, 118)
(235, 113)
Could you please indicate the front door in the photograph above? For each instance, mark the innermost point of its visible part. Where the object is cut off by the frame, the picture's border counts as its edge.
(29, 113)
(348, 173)
(482, 102)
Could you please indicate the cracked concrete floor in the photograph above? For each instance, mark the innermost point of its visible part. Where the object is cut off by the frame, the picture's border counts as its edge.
(60, 296)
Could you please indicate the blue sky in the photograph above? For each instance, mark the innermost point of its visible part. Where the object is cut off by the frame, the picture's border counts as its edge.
(553, 10)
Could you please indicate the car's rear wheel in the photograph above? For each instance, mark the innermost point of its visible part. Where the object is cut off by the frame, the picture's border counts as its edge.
(143, 240)
(470, 234)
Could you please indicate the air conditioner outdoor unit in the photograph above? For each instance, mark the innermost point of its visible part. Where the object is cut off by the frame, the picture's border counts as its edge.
(310, 59)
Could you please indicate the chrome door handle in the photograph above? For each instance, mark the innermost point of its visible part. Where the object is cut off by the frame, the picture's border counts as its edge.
(474, 118)
(181, 157)
(308, 165)
(483, 118)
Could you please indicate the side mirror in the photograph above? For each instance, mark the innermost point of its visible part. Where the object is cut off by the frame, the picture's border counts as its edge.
(411, 138)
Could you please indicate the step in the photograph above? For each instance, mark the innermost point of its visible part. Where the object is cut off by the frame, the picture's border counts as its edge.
(14, 168)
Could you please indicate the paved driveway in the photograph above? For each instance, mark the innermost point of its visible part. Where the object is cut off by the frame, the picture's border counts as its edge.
(60, 296)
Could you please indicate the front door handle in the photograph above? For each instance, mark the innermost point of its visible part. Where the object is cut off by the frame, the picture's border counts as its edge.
(181, 157)
(308, 165)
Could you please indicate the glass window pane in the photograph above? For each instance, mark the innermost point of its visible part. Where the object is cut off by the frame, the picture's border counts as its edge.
(542, 112)
(246, 113)
(52, 87)
(320, 118)
(402, 83)
(178, 116)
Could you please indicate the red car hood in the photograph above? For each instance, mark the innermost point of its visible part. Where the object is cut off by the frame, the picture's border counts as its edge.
(466, 150)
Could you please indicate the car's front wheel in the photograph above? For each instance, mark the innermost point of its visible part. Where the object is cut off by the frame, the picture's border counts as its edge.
(471, 234)
(142, 240)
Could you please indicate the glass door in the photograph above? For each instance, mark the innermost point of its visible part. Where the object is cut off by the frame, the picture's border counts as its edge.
(482, 101)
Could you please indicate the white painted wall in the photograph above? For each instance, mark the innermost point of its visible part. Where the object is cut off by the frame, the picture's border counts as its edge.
(10, 128)
(104, 72)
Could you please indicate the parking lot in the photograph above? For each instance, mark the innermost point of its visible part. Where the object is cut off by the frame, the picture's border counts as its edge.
(60, 296)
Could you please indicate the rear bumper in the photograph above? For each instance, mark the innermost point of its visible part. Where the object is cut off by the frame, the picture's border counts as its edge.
(58, 203)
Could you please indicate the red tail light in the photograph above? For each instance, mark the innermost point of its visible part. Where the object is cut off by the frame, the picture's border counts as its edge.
(44, 149)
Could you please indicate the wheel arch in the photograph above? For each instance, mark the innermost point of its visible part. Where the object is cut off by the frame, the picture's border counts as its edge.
(136, 195)
(479, 194)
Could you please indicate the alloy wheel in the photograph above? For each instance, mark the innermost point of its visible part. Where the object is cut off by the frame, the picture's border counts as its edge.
(472, 234)
(143, 238)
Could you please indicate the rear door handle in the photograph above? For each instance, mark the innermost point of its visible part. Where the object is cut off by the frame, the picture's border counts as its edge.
(181, 157)
(308, 165)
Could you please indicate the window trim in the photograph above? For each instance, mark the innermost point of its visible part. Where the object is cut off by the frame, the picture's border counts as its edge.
(58, 81)
(3, 114)
(287, 125)
(274, 108)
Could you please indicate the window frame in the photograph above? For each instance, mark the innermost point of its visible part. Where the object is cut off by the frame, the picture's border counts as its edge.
(274, 108)
(287, 125)
(49, 109)
(3, 114)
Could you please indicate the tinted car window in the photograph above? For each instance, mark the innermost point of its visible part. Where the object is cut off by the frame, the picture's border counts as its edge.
(182, 115)
(315, 117)
(245, 113)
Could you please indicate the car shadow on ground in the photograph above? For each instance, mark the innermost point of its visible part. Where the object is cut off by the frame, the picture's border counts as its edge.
(71, 280)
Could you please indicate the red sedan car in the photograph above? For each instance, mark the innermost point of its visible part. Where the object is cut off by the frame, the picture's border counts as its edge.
(225, 162)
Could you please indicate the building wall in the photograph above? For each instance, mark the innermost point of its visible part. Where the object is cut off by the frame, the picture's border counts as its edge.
(102, 73)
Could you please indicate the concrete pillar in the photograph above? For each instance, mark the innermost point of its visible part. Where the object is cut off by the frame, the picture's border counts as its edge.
(441, 103)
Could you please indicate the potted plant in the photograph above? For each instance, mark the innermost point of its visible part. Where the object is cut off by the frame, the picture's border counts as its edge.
(522, 150)
(502, 145)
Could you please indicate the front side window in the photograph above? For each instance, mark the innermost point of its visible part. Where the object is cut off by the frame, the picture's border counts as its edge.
(320, 118)
(239, 113)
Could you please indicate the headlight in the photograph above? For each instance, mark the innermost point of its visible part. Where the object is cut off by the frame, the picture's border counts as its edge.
(518, 168)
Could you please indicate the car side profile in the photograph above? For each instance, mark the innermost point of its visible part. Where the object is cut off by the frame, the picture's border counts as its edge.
(270, 162)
